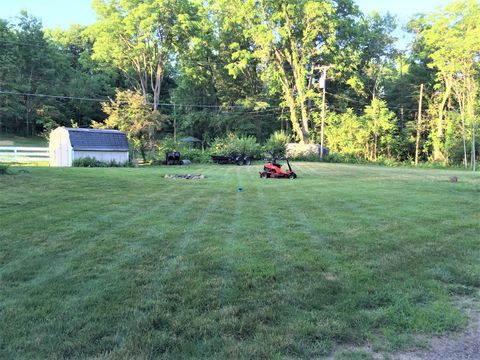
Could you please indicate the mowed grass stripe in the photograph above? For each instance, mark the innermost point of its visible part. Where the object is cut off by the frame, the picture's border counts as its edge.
(364, 236)
(84, 231)
(184, 290)
(113, 260)
(286, 244)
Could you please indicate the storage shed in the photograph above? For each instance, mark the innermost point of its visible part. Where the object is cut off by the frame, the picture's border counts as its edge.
(69, 144)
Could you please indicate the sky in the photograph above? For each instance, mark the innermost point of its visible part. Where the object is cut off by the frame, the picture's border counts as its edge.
(53, 13)
(403, 9)
(62, 13)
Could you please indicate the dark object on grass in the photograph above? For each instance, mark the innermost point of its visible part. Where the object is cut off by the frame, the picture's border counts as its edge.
(233, 159)
(4, 169)
(274, 170)
(453, 179)
(173, 158)
(185, 177)
(240, 189)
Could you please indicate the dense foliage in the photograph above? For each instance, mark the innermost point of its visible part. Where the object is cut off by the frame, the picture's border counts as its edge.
(4, 169)
(92, 162)
(252, 68)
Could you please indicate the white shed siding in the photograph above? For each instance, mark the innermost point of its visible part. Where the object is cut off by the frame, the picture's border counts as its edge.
(120, 157)
(60, 148)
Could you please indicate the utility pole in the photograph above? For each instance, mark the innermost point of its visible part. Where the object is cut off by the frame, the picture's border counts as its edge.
(323, 86)
(174, 123)
(419, 122)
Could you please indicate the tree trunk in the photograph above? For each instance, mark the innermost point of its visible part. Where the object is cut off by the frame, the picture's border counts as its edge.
(289, 96)
(294, 59)
(437, 151)
(142, 152)
(474, 155)
(465, 160)
(304, 122)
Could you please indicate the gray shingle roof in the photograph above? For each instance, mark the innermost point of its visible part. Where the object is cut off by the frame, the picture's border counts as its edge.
(97, 139)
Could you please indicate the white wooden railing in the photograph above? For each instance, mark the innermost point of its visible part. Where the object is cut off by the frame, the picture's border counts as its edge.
(24, 154)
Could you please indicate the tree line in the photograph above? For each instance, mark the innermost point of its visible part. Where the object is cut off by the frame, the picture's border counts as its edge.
(319, 70)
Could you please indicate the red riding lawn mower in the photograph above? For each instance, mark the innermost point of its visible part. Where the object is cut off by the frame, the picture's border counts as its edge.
(274, 170)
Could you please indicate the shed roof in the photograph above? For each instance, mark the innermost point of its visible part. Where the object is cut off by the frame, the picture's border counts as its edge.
(97, 139)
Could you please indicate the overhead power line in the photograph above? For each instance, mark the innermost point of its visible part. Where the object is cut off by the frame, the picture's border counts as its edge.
(267, 109)
(51, 96)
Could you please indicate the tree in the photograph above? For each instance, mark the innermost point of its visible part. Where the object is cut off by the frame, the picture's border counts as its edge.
(380, 122)
(290, 39)
(453, 36)
(33, 68)
(9, 75)
(225, 89)
(346, 134)
(372, 44)
(85, 77)
(140, 38)
(129, 113)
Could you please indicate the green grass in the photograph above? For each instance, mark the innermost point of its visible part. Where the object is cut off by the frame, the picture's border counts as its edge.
(15, 140)
(7, 139)
(121, 263)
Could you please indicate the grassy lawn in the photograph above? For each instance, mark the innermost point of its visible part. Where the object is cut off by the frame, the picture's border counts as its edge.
(14, 140)
(122, 263)
(20, 141)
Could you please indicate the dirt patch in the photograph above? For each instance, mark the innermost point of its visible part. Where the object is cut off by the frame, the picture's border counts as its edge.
(6, 143)
(463, 346)
(185, 177)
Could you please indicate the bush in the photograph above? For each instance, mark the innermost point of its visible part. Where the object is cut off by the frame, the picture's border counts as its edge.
(384, 161)
(168, 145)
(196, 156)
(86, 162)
(92, 162)
(343, 158)
(221, 146)
(234, 145)
(247, 146)
(4, 169)
(276, 143)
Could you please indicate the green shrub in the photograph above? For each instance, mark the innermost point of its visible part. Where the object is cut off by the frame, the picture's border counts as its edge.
(92, 162)
(4, 169)
(221, 145)
(384, 161)
(343, 158)
(247, 146)
(196, 156)
(234, 145)
(310, 158)
(86, 162)
(168, 145)
(277, 143)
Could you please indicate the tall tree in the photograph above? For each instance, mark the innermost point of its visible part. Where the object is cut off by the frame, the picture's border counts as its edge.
(140, 37)
(453, 36)
(290, 38)
(9, 75)
(225, 88)
(380, 123)
(129, 113)
(86, 78)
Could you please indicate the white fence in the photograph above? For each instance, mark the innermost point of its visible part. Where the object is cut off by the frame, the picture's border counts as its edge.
(24, 154)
